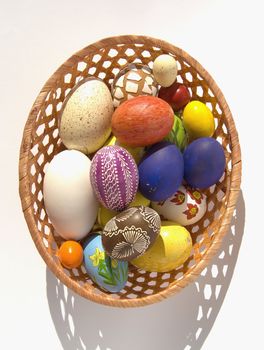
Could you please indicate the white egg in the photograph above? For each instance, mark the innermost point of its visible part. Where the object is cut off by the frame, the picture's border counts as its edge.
(68, 195)
(165, 70)
(186, 207)
(85, 122)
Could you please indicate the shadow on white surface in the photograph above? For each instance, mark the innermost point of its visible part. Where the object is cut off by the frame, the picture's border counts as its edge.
(181, 322)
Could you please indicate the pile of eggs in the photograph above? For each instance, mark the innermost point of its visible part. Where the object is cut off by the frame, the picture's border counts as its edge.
(133, 176)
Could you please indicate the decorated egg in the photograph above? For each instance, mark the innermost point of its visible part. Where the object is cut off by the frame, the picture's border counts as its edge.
(109, 274)
(136, 152)
(204, 162)
(160, 171)
(70, 254)
(136, 79)
(170, 250)
(68, 195)
(165, 70)
(114, 177)
(85, 120)
(198, 120)
(186, 206)
(130, 233)
(142, 121)
(177, 135)
(104, 214)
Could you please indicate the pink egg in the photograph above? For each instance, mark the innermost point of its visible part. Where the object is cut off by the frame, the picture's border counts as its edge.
(186, 206)
(114, 177)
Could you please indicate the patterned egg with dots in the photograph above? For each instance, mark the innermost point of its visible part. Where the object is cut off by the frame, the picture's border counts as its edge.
(114, 177)
(131, 233)
(186, 206)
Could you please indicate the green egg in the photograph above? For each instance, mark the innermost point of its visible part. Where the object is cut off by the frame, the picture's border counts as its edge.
(177, 135)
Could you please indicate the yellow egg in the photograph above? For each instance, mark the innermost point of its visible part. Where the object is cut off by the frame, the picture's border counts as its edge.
(171, 249)
(136, 152)
(198, 120)
(104, 215)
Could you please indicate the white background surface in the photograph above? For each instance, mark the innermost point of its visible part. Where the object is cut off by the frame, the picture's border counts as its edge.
(219, 311)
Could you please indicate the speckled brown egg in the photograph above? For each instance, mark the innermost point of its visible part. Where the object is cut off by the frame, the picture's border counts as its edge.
(136, 79)
(131, 233)
(85, 120)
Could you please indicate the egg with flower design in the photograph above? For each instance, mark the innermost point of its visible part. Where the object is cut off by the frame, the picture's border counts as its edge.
(131, 233)
(186, 206)
(109, 274)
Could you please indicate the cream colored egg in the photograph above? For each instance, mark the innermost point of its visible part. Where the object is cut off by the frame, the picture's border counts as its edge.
(85, 122)
(68, 195)
(165, 70)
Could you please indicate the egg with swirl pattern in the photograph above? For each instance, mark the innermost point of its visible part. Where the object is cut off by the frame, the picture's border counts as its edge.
(131, 233)
(114, 177)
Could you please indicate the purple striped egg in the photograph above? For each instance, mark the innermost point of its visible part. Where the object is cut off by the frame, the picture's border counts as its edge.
(114, 177)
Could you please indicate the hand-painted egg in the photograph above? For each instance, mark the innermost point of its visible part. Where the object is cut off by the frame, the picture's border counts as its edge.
(186, 206)
(104, 214)
(136, 79)
(109, 274)
(136, 152)
(171, 249)
(68, 195)
(198, 120)
(142, 121)
(177, 135)
(160, 171)
(165, 70)
(204, 162)
(114, 177)
(130, 233)
(85, 122)
(70, 254)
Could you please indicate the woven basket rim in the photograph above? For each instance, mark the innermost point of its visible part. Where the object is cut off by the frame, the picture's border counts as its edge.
(25, 192)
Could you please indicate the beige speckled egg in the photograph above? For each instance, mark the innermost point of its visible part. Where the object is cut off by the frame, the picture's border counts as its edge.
(85, 121)
(134, 80)
(165, 70)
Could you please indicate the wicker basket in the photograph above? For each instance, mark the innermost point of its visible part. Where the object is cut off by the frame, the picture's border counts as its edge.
(41, 142)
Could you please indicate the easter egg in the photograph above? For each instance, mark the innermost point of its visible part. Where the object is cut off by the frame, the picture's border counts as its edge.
(114, 177)
(165, 70)
(68, 195)
(204, 162)
(177, 95)
(104, 214)
(70, 254)
(177, 135)
(160, 171)
(109, 274)
(186, 206)
(198, 120)
(85, 119)
(171, 249)
(136, 152)
(142, 121)
(130, 233)
(134, 80)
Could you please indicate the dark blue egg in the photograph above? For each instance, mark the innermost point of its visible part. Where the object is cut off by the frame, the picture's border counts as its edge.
(160, 171)
(204, 162)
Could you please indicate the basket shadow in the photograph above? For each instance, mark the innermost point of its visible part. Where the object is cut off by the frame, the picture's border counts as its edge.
(183, 321)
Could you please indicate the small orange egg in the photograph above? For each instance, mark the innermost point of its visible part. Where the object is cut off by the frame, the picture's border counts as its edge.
(71, 254)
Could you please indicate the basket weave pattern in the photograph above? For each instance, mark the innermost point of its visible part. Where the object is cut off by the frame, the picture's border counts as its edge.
(41, 142)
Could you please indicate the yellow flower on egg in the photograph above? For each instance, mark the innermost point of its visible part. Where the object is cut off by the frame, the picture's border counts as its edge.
(98, 255)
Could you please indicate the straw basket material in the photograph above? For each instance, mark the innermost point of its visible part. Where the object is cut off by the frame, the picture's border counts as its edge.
(41, 142)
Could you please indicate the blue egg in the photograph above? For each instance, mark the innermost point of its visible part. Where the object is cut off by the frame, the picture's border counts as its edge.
(109, 274)
(204, 162)
(160, 171)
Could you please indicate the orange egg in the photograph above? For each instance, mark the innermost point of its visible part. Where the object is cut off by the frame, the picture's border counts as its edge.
(71, 254)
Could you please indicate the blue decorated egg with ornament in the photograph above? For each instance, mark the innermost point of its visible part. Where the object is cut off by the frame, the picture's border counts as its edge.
(204, 162)
(160, 171)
